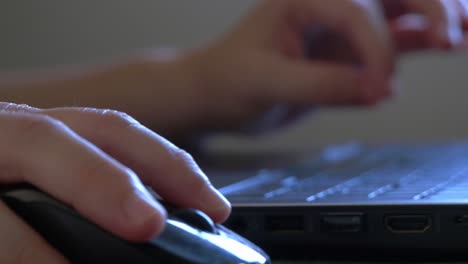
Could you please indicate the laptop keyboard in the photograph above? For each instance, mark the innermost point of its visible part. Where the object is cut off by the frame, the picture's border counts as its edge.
(354, 173)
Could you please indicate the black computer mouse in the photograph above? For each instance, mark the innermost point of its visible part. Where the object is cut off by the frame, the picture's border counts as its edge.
(189, 236)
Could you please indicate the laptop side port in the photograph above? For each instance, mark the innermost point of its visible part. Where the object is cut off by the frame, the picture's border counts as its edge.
(285, 223)
(237, 224)
(409, 224)
(341, 223)
(461, 220)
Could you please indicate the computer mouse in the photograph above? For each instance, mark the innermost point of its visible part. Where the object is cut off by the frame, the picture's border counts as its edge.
(189, 236)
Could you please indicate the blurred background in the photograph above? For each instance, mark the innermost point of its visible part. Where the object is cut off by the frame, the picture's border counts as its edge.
(432, 104)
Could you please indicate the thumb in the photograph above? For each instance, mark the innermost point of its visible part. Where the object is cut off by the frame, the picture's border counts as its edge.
(322, 83)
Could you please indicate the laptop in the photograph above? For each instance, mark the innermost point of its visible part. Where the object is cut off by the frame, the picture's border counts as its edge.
(353, 199)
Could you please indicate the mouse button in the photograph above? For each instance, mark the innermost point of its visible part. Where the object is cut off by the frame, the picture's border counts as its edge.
(243, 248)
(184, 242)
(202, 247)
(243, 252)
(196, 219)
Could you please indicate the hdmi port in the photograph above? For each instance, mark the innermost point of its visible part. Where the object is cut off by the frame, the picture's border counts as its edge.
(408, 223)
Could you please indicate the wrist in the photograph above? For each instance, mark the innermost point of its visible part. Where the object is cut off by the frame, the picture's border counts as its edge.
(223, 83)
(173, 99)
(211, 87)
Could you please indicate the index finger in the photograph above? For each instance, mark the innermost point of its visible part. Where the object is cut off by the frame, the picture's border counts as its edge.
(444, 19)
(43, 151)
(169, 170)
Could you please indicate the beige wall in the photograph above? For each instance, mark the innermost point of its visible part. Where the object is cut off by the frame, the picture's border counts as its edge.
(46, 32)
(56, 31)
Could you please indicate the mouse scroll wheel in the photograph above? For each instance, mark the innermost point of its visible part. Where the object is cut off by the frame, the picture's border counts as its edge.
(196, 219)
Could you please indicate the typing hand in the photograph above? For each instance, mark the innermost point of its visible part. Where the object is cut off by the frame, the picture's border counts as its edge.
(349, 57)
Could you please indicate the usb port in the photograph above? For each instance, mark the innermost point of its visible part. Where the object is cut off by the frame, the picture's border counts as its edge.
(461, 220)
(285, 223)
(341, 223)
(408, 223)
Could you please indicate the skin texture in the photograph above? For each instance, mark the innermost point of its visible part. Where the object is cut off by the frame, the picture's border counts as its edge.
(295, 54)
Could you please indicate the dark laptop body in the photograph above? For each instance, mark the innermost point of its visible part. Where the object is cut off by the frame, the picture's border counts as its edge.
(381, 200)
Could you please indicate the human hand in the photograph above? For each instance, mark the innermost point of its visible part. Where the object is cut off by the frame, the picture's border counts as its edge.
(96, 161)
(419, 25)
(265, 62)
(286, 55)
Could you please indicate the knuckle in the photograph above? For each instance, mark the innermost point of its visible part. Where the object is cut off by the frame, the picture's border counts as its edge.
(198, 184)
(35, 128)
(5, 105)
(38, 123)
(91, 172)
(366, 11)
(357, 13)
(198, 181)
(117, 119)
(436, 6)
(15, 108)
(181, 155)
(184, 159)
(96, 181)
(90, 178)
(96, 175)
(358, 8)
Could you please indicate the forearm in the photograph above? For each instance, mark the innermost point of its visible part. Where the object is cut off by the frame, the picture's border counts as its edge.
(155, 90)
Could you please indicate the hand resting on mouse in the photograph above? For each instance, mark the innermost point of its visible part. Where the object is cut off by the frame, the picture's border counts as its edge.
(96, 161)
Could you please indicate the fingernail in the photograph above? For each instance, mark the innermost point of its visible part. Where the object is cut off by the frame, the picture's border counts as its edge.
(456, 37)
(450, 38)
(442, 39)
(464, 44)
(141, 209)
(213, 201)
